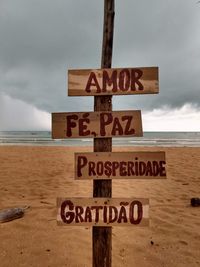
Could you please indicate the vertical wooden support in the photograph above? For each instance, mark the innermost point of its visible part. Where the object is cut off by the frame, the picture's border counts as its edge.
(102, 236)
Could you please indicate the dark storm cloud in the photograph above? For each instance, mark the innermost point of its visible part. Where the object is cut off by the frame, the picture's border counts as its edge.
(48, 33)
(164, 34)
(41, 39)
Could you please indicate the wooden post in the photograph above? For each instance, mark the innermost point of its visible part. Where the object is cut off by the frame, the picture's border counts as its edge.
(102, 236)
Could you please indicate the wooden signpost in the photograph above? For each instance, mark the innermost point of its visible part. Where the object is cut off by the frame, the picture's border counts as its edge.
(102, 211)
(120, 165)
(127, 81)
(96, 124)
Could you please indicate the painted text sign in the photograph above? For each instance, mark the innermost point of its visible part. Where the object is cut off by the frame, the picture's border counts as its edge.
(103, 211)
(96, 124)
(120, 165)
(113, 81)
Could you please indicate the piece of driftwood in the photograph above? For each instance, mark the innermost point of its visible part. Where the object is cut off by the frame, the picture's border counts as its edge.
(195, 202)
(7, 215)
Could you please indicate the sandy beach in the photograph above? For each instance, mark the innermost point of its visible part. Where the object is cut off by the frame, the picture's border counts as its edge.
(36, 176)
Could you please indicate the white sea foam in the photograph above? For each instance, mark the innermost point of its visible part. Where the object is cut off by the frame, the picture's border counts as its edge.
(149, 139)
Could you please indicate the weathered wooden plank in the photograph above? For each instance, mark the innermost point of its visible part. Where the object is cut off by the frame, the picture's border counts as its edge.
(120, 165)
(96, 124)
(103, 211)
(126, 81)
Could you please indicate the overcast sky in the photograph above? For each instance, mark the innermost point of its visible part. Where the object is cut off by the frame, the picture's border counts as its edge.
(42, 39)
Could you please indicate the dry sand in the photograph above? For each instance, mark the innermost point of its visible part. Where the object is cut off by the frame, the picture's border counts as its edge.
(36, 176)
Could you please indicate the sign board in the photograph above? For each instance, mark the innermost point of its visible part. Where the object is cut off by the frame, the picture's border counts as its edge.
(96, 124)
(103, 211)
(124, 81)
(123, 165)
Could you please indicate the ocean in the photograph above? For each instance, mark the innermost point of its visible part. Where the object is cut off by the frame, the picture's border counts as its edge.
(177, 139)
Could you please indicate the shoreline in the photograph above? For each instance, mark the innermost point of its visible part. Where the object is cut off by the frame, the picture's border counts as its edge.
(86, 145)
(159, 139)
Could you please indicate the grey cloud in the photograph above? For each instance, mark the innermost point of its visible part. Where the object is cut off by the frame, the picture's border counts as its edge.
(47, 32)
(40, 40)
(17, 115)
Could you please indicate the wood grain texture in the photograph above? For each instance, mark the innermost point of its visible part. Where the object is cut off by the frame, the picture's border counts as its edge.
(103, 211)
(119, 81)
(96, 124)
(120, 165)
(102, 236)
